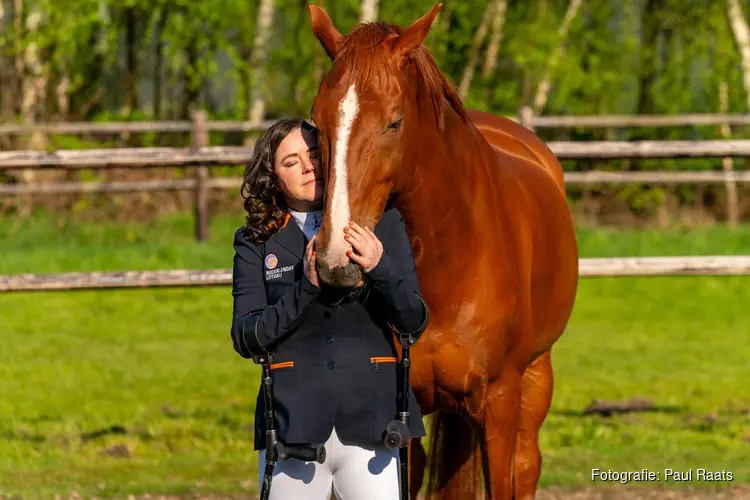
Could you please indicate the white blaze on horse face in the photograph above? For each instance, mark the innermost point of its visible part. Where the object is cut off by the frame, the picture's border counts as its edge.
(339, 210)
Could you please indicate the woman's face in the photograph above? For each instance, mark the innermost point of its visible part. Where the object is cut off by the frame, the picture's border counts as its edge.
(299, 176)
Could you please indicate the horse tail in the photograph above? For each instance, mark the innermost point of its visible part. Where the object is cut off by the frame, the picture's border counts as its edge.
(455, 459)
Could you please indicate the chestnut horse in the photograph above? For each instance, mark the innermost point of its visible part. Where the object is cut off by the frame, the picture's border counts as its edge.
(484, 205)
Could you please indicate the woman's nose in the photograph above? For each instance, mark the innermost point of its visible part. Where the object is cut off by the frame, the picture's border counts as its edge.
(306, 166)
(309, 165)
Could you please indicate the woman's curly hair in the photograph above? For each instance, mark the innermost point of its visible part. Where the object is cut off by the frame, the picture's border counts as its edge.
(264, 202)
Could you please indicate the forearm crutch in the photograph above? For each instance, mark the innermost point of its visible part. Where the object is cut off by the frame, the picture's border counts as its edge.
(397, 433)
(274, 448)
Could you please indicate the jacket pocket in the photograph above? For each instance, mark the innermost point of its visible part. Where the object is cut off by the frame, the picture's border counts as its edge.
(282, 364)
(375, 360)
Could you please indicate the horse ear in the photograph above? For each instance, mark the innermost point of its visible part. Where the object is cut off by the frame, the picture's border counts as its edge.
(416, 32)
(324, 30)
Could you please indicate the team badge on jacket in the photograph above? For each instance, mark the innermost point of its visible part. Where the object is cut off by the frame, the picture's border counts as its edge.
(273, 271)
(271, 261)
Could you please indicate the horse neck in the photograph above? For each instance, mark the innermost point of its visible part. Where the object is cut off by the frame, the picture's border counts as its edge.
(442, 185)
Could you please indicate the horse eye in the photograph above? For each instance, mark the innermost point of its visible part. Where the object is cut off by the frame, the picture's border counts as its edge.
(395, 125)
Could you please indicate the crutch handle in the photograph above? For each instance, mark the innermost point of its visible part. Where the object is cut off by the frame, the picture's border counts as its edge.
(396, 435)
(302, 452)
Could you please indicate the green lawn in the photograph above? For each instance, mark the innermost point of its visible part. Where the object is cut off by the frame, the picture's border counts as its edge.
(111, 393)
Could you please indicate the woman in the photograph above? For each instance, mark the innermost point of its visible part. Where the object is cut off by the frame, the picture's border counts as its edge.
(334, 359)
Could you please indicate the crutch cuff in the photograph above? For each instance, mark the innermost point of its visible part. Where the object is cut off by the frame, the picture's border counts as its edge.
(411, 338)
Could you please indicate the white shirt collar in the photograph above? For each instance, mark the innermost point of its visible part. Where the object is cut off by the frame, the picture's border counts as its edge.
(309, 222)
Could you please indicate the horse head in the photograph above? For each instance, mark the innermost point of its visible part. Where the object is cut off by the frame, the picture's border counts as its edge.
(370, 110)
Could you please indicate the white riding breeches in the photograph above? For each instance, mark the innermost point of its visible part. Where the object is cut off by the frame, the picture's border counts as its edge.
(351, 472)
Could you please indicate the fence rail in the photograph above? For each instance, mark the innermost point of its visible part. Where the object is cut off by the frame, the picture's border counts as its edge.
(236, 155)
(589, 268)
(571, 178)
(616, 121)
(524, 116)
(131, 127)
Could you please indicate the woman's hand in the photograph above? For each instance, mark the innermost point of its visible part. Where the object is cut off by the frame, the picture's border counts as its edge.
(367, 248)
(311, 271)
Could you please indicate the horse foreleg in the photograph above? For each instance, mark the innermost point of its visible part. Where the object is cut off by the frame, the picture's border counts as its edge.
(502, 414)
(536, 397)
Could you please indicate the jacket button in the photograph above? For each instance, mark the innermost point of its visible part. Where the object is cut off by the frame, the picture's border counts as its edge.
(331, 365)
(327, 314)
(329, 340)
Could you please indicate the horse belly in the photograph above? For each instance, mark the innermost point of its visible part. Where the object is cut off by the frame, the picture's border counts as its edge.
(554, 269)
(531, 185)
(463, 350)
(553, 290)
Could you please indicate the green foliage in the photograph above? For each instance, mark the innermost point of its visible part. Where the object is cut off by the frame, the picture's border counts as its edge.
(685, 47)
(641, 56)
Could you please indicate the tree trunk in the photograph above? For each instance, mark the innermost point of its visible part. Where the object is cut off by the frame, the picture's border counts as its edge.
(648, 66)
(18, 26)
(6, 68)
(368, 11)
(130, 101)
(190, 90)
(479, 37)
(34, 88)
(62, 96)
(727, 163)
(496, 36)
(159, 61)
(742, 37)
(542, 91)
(33, 97)
(258, 60)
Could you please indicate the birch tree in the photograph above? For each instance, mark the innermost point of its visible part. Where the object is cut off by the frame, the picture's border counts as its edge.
(496, 36)
(727, 163)
(368, 11)
(742, 37)
(258, 60)
(481, 34)
(34, 77)
(542, 92)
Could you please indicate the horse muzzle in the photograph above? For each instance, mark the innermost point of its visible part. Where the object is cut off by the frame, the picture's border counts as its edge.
(336, 275)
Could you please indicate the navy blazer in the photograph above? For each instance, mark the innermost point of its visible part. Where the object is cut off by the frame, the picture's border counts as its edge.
(334, 359)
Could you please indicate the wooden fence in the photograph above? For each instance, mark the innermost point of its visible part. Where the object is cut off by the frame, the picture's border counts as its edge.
(524, 116)
(201, 157)
(589, 268)
(235, 155)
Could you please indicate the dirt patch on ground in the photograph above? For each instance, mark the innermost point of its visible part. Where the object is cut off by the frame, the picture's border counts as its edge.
(608, 493)
(629, 493)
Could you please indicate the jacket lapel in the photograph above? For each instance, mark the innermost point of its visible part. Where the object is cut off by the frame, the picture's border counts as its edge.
(292, 238)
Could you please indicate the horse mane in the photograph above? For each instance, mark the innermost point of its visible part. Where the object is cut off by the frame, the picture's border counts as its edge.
(362, 52)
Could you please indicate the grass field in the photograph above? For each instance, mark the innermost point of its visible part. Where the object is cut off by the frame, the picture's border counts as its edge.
(113, 393)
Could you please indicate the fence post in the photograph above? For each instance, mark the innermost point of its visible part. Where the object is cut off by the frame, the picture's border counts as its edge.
(200, 140)
(526, 117)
